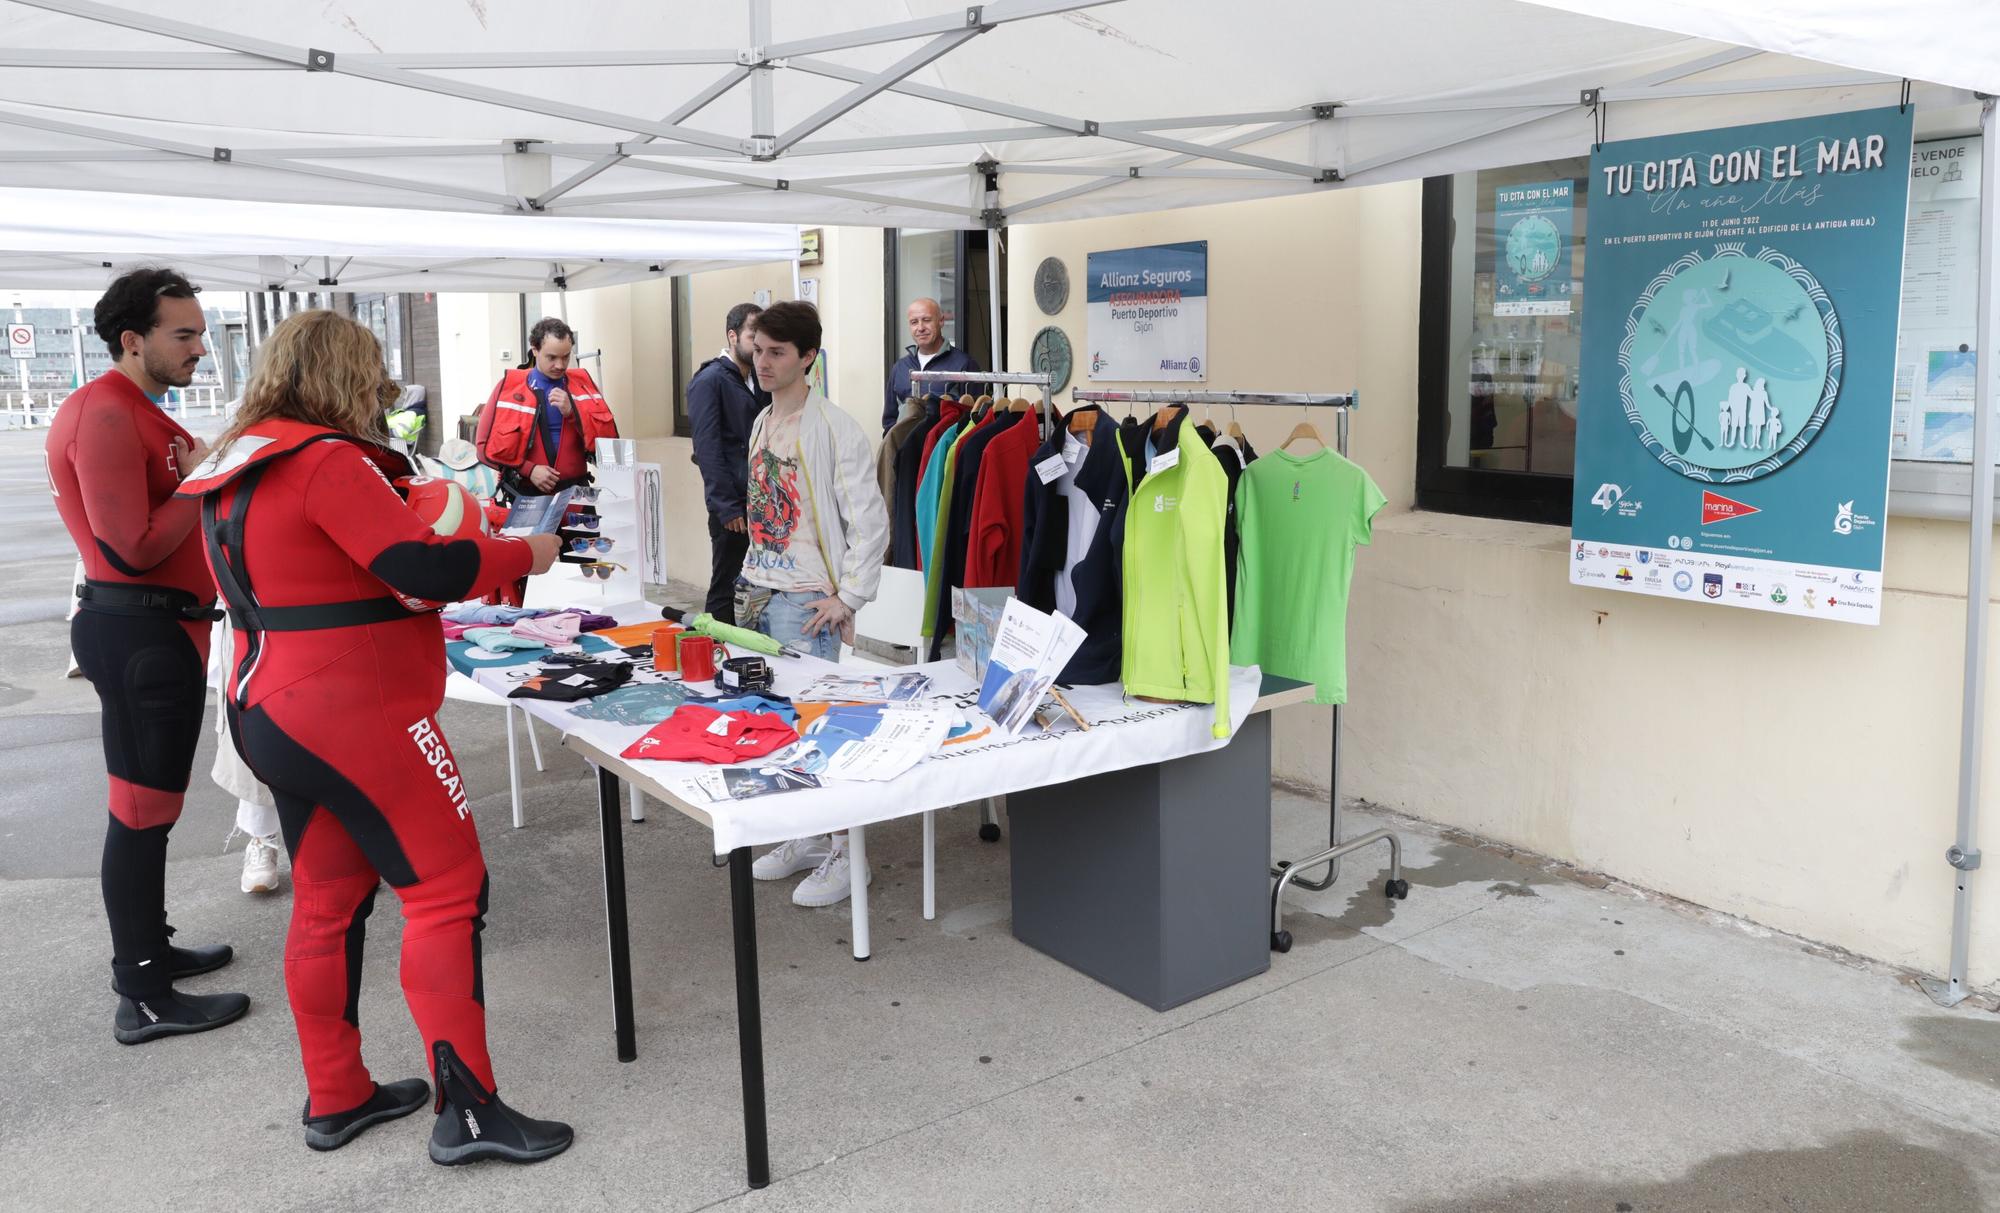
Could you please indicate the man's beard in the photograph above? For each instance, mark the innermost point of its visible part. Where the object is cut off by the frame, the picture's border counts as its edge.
(161, 370)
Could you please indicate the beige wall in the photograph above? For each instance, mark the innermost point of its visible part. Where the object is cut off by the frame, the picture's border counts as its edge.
(1799, 774)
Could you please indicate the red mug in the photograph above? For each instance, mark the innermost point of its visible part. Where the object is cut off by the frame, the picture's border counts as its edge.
(697, 655)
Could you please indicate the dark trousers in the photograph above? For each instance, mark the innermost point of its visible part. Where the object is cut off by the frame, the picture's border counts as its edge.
(726, 551)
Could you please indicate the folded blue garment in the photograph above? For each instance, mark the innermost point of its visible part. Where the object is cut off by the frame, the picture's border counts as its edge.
(480, 612)
(501, 638)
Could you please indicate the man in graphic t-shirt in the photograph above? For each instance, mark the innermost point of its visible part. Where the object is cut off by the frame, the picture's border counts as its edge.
(818, 536)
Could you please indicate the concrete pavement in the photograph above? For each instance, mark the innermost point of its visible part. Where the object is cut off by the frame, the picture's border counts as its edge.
(1513, 1036)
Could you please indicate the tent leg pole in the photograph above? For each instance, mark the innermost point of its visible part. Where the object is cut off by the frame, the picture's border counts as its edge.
(1964, 853)
(993, 296)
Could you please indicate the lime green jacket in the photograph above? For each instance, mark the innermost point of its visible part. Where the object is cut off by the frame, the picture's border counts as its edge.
(1176, 594)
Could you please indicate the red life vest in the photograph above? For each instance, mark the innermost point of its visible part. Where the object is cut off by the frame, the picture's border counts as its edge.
(514, 431)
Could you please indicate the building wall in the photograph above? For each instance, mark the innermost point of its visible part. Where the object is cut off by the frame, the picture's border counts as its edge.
(1799, 774)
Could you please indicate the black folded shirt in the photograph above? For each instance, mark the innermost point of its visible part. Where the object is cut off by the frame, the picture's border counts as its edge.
(570, 684)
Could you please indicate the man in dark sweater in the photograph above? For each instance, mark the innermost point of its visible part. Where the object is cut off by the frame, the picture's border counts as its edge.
(722, 400)
(929, 353)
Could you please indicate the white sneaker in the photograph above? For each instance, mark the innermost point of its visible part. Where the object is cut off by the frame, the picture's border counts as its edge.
(797, 855)
(827, 886)
(260, 866)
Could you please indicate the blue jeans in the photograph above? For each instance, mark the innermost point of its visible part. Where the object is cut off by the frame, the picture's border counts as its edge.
(785, 619)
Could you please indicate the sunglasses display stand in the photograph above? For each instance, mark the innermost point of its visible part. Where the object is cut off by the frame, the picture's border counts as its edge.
(568, 584)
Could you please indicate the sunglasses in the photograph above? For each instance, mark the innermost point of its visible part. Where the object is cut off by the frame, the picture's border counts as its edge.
(589, 520)
(600, 569)
(588, 494)
(585, 544)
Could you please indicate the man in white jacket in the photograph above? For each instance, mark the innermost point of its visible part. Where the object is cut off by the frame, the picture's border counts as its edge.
(818, 535)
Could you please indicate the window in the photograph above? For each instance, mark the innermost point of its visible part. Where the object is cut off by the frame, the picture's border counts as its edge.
(950, 267)
(1496, 390)
(1498, 373)
(684, 360)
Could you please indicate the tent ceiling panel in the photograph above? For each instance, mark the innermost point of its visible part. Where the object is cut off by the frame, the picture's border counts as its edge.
(653, 110)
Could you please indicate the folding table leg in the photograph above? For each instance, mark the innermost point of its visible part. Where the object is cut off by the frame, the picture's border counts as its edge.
(930, 865)
(749, 1018)
(857, 888)
(534, 742)
(616, 930)
(514, 769)
(638, 802)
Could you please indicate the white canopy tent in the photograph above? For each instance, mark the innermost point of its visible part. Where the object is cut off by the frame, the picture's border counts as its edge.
(889, 112)
(925, 113)
(254, 246)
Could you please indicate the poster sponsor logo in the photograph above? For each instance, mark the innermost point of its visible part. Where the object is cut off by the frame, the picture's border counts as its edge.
(1711, 585)
(1624, 574)
(1580, 553)
(1717, 508)
(1683, 581)
(1845, 520)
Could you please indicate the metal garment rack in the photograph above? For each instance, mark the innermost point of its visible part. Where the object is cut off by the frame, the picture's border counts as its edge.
(1287, 871)
(1040, 379)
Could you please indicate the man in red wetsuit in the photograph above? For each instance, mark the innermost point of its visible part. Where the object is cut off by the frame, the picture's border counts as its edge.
(332, 583)
(141, 635)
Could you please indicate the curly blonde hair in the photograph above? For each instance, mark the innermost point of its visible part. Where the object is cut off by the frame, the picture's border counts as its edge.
(321, 368)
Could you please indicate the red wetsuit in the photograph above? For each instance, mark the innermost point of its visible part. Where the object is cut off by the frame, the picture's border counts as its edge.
(142, 640)
(334, 699)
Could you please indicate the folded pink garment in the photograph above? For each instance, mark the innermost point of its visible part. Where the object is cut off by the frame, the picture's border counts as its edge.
(455, 631)
(550, 629)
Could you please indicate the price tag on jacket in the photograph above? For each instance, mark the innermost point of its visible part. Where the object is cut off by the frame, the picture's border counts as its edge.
(1164, 460)
(1050, 469)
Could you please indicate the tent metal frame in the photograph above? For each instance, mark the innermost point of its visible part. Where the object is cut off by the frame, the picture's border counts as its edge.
(756, 64)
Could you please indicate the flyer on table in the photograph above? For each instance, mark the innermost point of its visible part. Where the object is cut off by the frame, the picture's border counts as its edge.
(1147, 313)
(1740, 309)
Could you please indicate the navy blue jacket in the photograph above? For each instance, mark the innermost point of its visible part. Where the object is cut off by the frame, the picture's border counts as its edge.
(1099, 577)
(950, 358)
(720, 409)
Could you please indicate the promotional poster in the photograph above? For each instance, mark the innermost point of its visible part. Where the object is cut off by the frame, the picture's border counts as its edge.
(1741, 298)
(1148, 313)
(1532, 225)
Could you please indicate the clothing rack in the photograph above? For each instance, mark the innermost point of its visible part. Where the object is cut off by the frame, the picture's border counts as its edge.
(1040, 379)
(1287, 871)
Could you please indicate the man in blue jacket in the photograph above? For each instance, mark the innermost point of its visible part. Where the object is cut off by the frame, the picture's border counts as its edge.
(722, 400)
(929, 353)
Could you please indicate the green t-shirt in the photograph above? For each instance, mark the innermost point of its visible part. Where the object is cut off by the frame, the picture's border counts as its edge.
(1300, 519)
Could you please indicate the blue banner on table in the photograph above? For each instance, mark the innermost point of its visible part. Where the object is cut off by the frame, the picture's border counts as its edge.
(1148, 313)
(1532, 226)
(1741, 297)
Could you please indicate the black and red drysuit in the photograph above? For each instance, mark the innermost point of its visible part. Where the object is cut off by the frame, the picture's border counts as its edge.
(140, 637)
(329, 578)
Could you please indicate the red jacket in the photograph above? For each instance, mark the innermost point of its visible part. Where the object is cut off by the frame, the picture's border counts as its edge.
(950, 412)
(511, 438)
(114, 483)
(993, 551)
(319, 524)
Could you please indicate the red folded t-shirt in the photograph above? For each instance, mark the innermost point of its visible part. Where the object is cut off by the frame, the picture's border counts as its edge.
(701, 734)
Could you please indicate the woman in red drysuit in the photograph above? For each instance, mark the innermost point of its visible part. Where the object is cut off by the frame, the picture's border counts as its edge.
(141, 631)
(331, 582)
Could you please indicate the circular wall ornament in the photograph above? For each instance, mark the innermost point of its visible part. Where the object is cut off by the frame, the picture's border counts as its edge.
(1730, 364)
(1050, 353)
(1051, 285)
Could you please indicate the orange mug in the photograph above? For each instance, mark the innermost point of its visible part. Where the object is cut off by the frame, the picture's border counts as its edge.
(697, 655)
(666, 651)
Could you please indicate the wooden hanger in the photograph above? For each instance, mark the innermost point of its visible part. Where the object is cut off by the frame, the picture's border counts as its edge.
(1165, 417)
(1234, 431)
(1304, 429)
(982, 406)
(1083, 423)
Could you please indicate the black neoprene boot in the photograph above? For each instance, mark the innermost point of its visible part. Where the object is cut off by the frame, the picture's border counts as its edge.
(387, 1103)
(473, 1124)
(192, 962)
(150, 1007)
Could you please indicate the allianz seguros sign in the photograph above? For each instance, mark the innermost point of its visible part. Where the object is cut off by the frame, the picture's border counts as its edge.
(1741, 301)
(1146, 313)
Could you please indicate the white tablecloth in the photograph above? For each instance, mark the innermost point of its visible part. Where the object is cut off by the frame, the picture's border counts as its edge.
(1126, 733)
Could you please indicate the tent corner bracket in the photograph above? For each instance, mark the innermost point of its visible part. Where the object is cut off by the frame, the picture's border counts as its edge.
(1589, 96)
(1962, 858)
(1326, 110)
(1328, 176)
(223, 155)
(993, 218)
(318, 60)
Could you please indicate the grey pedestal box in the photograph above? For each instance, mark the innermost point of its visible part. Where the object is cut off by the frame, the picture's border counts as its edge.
(1154, 880)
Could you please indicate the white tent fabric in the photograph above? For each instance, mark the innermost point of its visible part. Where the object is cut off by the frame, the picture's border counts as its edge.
(282, 246)
(882, 111)
(1953, 42)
